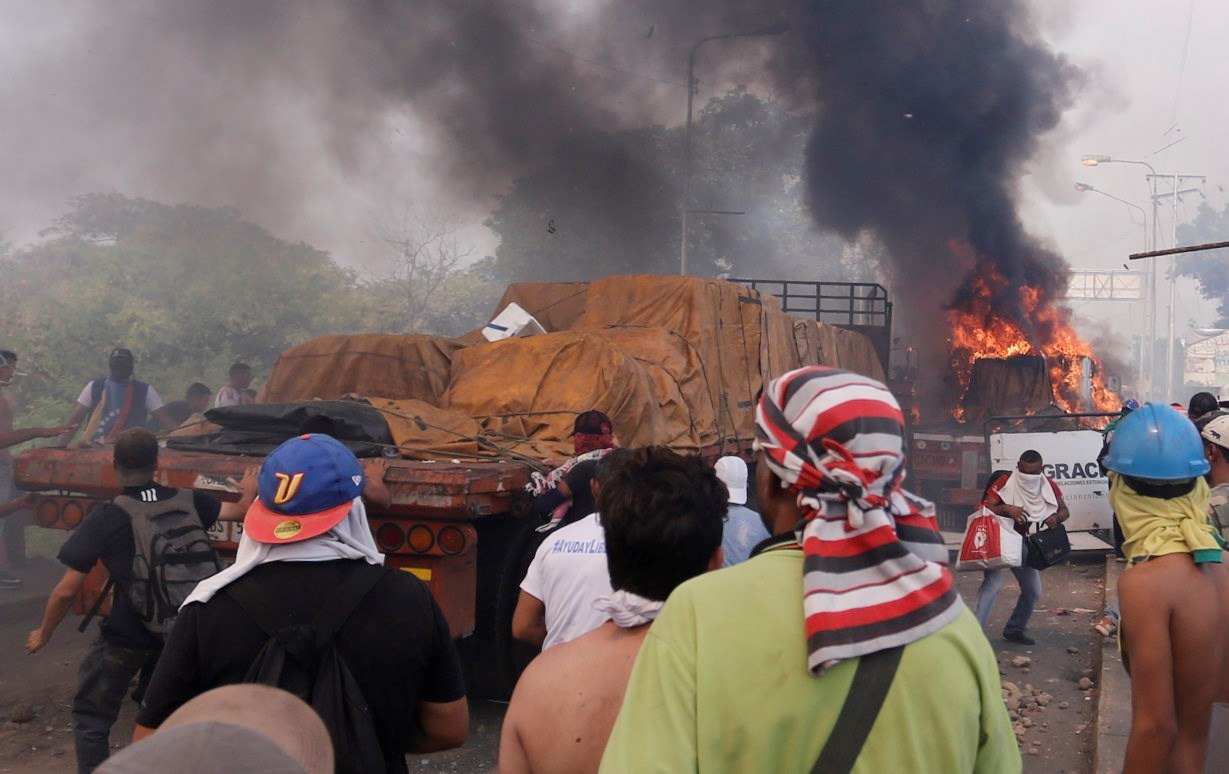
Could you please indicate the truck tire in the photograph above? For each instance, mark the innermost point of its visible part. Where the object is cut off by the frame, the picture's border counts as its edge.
(492, 659)
(513, 655)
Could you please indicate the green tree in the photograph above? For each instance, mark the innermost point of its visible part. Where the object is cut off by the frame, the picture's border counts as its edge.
(187, 288)
(1209, 268)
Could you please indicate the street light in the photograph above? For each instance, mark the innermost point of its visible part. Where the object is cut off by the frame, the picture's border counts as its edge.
(770, 30)
(1092, 160)
(1097, 159)
(1086, 188)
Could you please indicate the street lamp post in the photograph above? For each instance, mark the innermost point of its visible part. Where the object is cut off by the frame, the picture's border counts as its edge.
(773, 29)
(1092, 160)
(1142, 376)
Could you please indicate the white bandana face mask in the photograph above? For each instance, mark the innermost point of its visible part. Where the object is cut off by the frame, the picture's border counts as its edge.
(1030, 482)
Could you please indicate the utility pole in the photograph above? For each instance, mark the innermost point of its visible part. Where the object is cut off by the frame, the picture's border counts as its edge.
(1176, 182)
(692, 86)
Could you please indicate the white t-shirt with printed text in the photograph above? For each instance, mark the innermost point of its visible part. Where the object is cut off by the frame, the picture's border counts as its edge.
(567, 574)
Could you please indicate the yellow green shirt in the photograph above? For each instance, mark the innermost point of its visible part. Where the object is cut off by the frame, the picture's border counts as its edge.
(1155, 527)
(721, 684)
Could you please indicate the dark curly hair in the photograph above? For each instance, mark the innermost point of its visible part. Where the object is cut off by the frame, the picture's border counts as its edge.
(663, 515)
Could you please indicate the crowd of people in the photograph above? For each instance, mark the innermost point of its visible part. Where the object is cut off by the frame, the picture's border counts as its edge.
(679, 628)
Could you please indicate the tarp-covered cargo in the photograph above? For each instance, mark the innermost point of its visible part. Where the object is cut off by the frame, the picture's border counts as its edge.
(530, 390)
(555, 305)
(723, 321)
(673, 360)
(369, 364)
(824, 344)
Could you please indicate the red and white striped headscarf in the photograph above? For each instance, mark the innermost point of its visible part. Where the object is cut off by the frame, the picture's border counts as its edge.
(875, 567)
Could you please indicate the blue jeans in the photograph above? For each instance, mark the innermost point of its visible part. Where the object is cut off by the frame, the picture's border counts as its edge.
(102, 681)
(1030, 593)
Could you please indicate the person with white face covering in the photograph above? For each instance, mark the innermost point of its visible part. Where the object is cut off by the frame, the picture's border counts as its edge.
(1028, 497)
(306, 540)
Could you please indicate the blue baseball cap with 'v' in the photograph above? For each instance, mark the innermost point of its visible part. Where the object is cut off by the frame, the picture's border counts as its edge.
(305, 488)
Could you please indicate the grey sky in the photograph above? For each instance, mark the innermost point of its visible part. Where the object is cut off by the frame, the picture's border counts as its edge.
(1136, 90)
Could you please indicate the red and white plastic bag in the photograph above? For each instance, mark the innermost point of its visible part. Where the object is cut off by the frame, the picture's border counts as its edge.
(990, 543)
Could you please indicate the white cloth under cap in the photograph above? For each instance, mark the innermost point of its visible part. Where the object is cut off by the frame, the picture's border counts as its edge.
(733, 473)
(349, 539)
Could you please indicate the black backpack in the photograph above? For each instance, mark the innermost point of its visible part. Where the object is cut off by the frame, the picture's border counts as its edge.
(172, 553)
(303, 659)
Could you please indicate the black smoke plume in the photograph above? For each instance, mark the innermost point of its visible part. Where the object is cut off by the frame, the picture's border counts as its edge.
(928, 112)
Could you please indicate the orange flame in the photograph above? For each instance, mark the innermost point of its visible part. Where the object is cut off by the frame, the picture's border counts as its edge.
(979, 331)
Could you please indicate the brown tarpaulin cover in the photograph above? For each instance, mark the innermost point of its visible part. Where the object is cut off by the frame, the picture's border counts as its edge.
(424, 431)
(370, 364)
(1007, 386)
(531, 389)
(672, 360)
(723, 321)
(823, 344)
(555, 305)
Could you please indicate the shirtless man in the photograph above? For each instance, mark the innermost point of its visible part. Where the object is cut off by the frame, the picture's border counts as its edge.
(662, 515)
(10, 437)
(1175, 594)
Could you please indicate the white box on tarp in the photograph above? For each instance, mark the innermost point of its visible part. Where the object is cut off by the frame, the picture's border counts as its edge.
(512, 322)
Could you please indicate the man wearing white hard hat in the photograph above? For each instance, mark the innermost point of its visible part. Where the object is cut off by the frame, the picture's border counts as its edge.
(1216, 450)
(744, 529)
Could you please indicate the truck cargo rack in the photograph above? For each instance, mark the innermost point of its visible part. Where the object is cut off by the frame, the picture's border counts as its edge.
(857, 306)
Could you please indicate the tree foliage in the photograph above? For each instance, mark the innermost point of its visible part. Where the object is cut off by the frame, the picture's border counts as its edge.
(188, 289)
(1209, 268)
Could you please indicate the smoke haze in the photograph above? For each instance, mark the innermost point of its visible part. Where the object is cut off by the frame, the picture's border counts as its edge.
(927, 112)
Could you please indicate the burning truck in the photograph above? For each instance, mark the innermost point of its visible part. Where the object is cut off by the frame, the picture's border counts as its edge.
(1017, 380)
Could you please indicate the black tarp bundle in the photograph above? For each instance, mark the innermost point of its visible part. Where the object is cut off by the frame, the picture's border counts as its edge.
(260, 428)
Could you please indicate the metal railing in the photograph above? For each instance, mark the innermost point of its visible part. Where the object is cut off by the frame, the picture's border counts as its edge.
(859, 306)
(852, 304)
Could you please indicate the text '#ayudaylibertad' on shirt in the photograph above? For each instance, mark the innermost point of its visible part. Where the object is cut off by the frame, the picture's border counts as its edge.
(592, 546)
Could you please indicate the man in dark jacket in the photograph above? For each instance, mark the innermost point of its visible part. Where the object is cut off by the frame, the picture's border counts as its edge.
(304, 538)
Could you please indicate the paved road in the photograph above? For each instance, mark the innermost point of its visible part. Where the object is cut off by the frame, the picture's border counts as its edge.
(1063, 738)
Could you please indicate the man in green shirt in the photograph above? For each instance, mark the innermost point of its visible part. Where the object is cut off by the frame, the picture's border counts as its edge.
(732, 678)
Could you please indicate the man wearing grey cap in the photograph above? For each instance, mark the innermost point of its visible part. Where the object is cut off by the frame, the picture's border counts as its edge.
(116, 403)
(744, 529)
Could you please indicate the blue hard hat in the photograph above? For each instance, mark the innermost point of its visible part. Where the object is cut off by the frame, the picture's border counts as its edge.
(1130, 405)
(1157, 443)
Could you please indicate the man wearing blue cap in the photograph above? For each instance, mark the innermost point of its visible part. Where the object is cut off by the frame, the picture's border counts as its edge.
(305, 540)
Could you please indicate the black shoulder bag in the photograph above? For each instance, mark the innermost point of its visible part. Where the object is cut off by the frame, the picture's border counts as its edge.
(1048, 547)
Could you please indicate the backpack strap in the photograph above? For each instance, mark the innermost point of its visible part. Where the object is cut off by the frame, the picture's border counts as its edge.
(341, 603)
(102, 597)
(96, 391)
(869, 689)
(271, 616)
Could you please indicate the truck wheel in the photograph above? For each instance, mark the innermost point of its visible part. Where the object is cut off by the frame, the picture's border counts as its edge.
(512, 655)
(492, 659)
